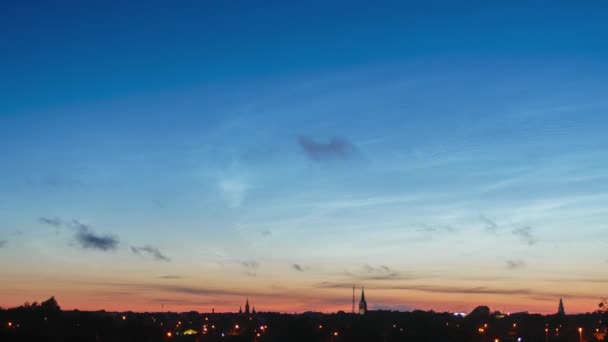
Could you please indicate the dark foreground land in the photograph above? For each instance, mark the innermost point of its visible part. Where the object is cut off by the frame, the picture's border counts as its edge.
(47, 322)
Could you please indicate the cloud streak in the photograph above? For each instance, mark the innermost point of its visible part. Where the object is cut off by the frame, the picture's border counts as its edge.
(515, 264)
(51, 221)
(170, 276)
(251, 267)
(3, 243)
(490, 225)
(525, 234)
(299, 268)
(334, 149)
(151, 251)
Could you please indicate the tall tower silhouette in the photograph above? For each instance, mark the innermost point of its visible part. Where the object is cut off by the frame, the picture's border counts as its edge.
(353, 310)
(247, 306)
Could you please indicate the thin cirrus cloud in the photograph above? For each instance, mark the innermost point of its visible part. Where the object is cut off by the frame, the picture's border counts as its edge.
(251, 267)
(151, 251)
(51, 221)
(525, 234)
(334, 149)
(490, 225)
(515, 264)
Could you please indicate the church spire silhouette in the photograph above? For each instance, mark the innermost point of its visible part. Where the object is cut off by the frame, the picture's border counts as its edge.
(362, 303)
(560, 310)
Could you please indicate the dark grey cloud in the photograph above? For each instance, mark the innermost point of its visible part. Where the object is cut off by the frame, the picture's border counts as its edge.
(299, 268)
(152, 251)
(515, 264)
(490, 225)
(85, 237)
(3, 243)
(251, 267)
(90, 240)
(51, 221)
(525, 234)
(334, 149)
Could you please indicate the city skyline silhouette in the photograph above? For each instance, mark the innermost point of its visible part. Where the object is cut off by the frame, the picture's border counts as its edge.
(183, 157)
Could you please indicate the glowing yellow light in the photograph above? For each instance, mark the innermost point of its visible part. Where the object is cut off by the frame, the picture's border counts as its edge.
(10, 324)
(169, 334)
(124, 318)
(258, 335)
(336, 333)
(580, 330)
(236, 326)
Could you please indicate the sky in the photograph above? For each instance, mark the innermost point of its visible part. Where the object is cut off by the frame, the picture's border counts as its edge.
(187, 156)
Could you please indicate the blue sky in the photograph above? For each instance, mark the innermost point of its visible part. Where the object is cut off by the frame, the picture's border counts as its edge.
(424, 152)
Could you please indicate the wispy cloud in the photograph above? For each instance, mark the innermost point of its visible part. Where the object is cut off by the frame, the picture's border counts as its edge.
(525, 234)
(170, 276)
(3, 243)
(251, 267)
(51, 221)
(381, 272)
(233, 190)
(379, 269)
(335, 148)
(490, 225)
(266, 232)
(437, 228)
(434, 289)
(515, 264)
(152, 251)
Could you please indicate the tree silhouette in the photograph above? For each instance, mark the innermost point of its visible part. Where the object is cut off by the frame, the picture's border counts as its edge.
(50, 307)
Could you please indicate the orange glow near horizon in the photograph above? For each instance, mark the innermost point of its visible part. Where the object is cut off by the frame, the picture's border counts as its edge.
(325, 303)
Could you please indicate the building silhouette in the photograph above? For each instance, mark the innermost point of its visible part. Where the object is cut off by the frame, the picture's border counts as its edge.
(362, 303)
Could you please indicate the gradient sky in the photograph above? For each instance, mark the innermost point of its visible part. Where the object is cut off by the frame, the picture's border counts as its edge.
(441, 156)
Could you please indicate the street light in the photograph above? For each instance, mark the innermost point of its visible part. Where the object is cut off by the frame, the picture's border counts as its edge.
(580, 334)
(546, 334)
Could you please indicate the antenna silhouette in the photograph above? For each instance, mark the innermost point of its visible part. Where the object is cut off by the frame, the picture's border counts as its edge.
(353, 309)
